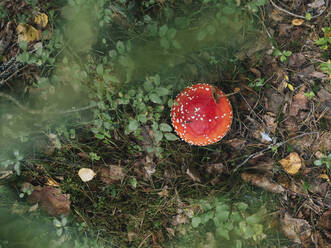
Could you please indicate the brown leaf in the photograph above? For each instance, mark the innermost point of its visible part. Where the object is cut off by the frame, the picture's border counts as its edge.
(276, 15)
(41, 20)
(179, 219)
(299, 102)
(111, 174)
(164, 192)
(296, 60)
(28, 33)
(51, 200)
(273, 100)
(262, 181)
(270, 121)
(292, 163)
(291, 125)
(284, 30)
(297, 22)
(193, 174)
(295, 229)
(215, 169)
(236, 143)
(171, 231)
(324, 221)
(323, 143)
(131, 236)
(256, 72)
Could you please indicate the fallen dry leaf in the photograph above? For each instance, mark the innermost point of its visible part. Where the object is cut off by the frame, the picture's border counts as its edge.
(284, 30)
(171, 231)
(296, 230)
(51, 200)
(297, 22)
(236, 143)
(270, 121)
(86, 174)
(111, 174)
(179, 219)
(164, 192)
(41, 20)
(300, 102)
(296, 60)
(292, 163)
(52, 182)
(262, 181)
(33, 208)
(325, 176)
(27, 33)
(273, 100)
(193, 174)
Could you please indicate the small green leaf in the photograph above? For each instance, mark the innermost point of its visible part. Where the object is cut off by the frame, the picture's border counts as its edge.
(242, 206)
(239, 244)
(318, 162)
(164, 127)
(162, 91)
(99, 69)
(171, 33)
(254, 218)
(133, 125)
(57, 223)
(201, 35)
(170, 136)
(287, 53)
(133, 182)
(176, 44)
(142, 118)
(158, 135)
(163, 30)
(120, 47)
(308, 16)
(222, 216)
(196, 221)
(155, 98)
(211, 29)
(164, 43)
(223, 233)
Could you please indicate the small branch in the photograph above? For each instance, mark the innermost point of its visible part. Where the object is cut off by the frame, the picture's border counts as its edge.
(299, 16)
(270, 147)
(38, 112)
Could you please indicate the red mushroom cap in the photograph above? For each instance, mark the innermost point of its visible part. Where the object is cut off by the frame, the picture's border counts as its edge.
(201, 114)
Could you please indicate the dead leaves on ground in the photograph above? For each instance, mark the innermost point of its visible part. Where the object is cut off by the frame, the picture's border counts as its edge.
(263, 182)
(28, 33)
(292, 163)
(51, 199)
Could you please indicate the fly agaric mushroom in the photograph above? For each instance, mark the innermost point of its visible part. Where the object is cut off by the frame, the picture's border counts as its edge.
(201, 114)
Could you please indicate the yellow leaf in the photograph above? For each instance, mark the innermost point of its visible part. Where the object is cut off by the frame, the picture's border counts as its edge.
(27, 33)
(292, 163)
(41, 20)
(325, 176)
(290, 86)
(286, 78)
(86, 174)
(297, 22)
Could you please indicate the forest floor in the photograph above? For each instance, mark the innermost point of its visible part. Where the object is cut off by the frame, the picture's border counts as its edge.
(87, 145)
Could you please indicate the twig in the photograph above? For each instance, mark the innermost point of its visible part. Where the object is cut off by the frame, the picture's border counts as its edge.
(270, 147)
(38, 112)
(299, 16)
